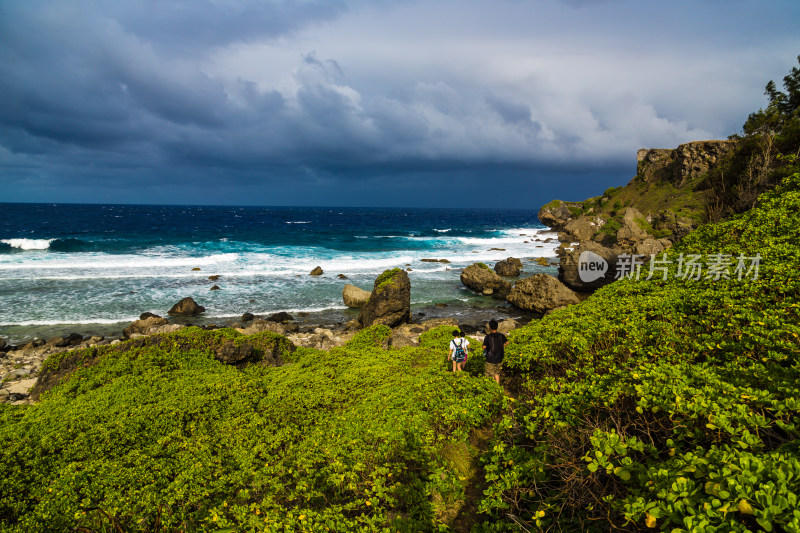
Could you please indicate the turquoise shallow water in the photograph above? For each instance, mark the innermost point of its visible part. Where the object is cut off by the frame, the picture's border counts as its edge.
(94, 267)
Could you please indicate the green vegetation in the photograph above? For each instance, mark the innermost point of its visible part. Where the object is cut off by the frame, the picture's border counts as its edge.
(770, 139)
(386, 278)
(664, 403)
(669, 403)
(165, 437)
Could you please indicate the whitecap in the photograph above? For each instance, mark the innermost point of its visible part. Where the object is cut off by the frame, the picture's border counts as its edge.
(28, 244)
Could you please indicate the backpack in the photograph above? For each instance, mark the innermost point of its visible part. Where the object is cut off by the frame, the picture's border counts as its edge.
(459, 352)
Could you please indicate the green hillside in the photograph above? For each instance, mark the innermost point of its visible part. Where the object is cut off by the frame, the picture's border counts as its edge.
(669, 403)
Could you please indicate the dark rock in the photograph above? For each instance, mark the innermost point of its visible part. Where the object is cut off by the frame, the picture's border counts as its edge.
(195, 269)
(390, 301)
(441, 305)
(215, 277)
(341, 276)
(497, 249)
(148, 314)
(480, 278)
(3, 344)
(215, 288)
(317, 271)
(280, 317)
(510, 267)
(186, 307)
(247, 317)
(541, 293)
(16, 396)
(74, 339)
(231, 353)
(58, 342)
(569, 269)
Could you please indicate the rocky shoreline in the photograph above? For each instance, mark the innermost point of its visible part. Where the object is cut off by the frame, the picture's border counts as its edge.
(645, 217)
(21, 364)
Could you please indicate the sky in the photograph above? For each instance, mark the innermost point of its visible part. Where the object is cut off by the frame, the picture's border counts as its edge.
(438, 103)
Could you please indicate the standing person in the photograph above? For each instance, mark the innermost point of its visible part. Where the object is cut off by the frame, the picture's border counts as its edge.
(494, 347)
(458, 351)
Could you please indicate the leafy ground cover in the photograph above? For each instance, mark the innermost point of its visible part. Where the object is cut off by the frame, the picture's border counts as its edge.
(670, 404)
(166, 438)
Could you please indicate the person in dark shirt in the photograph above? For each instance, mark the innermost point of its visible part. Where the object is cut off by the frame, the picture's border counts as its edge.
(494, 347)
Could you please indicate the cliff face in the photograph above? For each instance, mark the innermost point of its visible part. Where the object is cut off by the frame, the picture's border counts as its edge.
(660, 205)
(681, 165)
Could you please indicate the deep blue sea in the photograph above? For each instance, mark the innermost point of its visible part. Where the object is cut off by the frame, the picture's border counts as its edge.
(79, 267)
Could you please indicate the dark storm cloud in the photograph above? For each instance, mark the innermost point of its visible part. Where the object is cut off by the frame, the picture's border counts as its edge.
(96, 96)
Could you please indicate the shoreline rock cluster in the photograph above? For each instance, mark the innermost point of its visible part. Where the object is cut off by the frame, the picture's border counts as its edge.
(658, 207)
(388, 304)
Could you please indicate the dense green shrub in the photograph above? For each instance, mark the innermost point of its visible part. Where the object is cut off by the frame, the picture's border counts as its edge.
(664, 403)
(161, 435)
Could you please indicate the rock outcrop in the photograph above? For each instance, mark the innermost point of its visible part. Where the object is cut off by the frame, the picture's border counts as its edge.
(390, 301)
(259, 325)
(316, 272)
(480, 278)
(569, 270)
(659, 206)
(151, 325)
(541, 293)
(557, 214)
(682, 164)
(186, 307)
(509, 267)
(354, 297)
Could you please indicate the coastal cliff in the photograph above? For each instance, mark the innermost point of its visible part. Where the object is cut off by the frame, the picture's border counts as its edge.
(664, 202)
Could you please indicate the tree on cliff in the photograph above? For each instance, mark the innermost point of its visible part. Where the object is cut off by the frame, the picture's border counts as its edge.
(764, 154)
(782, 115)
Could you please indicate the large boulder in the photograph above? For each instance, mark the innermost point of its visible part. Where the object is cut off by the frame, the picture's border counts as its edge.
(143, 326)
(186, 307)
(480, 278)
(583, 228)
(509, 268)
(541, 293)
(354, 296)
(590, 278)
(633, 228)
(390, 301)
(651, 246)
(260, 325)
(281, 316)
(557, 214)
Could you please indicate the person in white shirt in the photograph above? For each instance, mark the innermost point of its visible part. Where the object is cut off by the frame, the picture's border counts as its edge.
(458, 351)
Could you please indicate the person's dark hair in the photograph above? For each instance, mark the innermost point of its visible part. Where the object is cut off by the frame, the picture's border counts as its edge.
(456, 333)
(493, 324)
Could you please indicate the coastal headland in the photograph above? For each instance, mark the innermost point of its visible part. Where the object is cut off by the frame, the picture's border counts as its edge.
(665, 398)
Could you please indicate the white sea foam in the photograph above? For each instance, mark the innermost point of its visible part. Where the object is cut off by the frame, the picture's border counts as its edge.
(28, 244)
(86, 285)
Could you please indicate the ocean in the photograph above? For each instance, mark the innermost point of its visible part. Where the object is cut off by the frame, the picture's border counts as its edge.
(94, 269)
